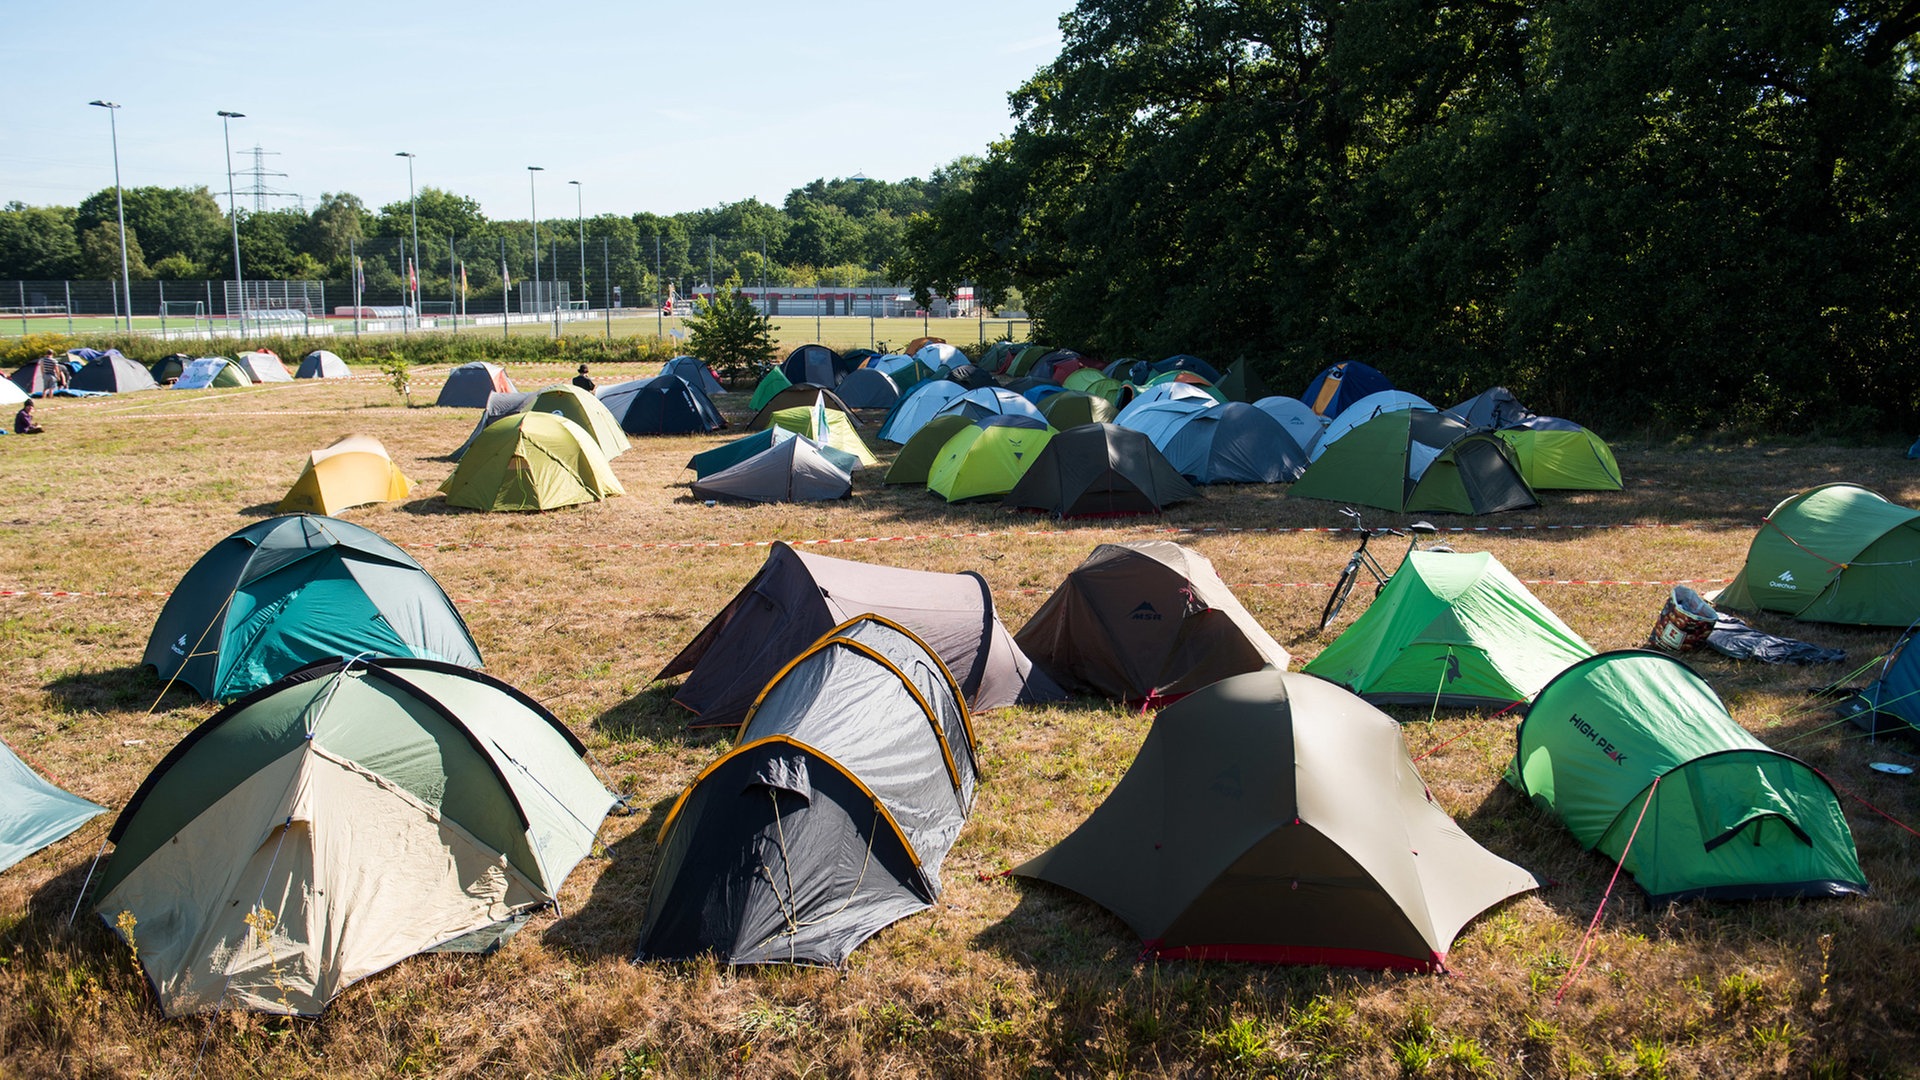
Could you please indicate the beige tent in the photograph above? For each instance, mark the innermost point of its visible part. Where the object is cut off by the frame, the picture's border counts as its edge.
(351, 472)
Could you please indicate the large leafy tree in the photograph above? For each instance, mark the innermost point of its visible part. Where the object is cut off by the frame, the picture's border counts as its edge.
(168, 221)
(727, 331)
(38, 242)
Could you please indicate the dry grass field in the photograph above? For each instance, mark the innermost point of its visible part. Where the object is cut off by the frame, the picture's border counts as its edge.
(99, 518)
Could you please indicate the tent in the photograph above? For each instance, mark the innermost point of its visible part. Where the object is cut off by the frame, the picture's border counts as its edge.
(1341, 385)
(211, 371)
(1491, 409)
(531, 461)
(1242, 383)
(1098, 469)
(468, 385)
(263, 366)
(31, 379)
(1234, 443)
(694, 373)
(169, 367)
(1305, 425)
(815, 364)
(33, 812)
(796, 469)
(796, 597)
(1365, 409)
(287, 591)
(1184, 393)
(1634, 744)
(662, 405)
(1146, 621)
(1074, 408)
(587, 412)
(11, 394)
(1275, 817)
(919, 343)
(113, 374)
(353, 471)
(770, 384)
(796, 395)
(869, 388)
(1837, 553)
(1417, 461)
(498, 405)
(1190, 364)
(916, 407)
(937, 354)
(969, 376)
(980, 404)
(1560, 455)
(321, 364)
(852, 777)
(916, 458)
(1187, 378)
(999, 356)
(1451, 629)
(1024, 360)
(1060, 363)
(1092, 382)
(986, 459)
(1158, 420)
(825, 425)
(338, 821)
(905, 371)
(729, 454)
(1892, 700)
(1040, 392)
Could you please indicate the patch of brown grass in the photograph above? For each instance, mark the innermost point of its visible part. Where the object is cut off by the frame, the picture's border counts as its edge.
(581, 607)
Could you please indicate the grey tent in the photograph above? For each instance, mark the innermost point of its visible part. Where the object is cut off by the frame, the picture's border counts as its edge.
(498, 406)
(1491, 409)
(1275, 817)
(869, 388)
(829, 820)
(1235, 443)
(263, 366)
(796, 597)
(469, 385)
(815, 364)
(1097, 469)
(728, 454)
(663, 405)
(1147, 620)
(33, 812)
(790, 470)
(321, 364)
(113, 374)
(695, 374)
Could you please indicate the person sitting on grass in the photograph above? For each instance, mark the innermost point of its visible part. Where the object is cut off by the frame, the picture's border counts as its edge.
(23, 421)
(583, 381)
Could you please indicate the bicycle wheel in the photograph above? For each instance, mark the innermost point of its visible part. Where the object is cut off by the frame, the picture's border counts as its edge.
(1342, 589)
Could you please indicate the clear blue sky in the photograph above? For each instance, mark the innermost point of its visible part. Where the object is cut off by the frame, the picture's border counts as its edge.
(650, 106)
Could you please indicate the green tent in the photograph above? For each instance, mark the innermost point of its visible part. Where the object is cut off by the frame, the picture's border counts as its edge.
(1275, 817)
(1452, 628)
(1838, 553)
(771, 383)
(285, 592)
(1024, 360)
(1090, 381)
(338, 821)
(916, 458)
(1413, 460)
(985, 460)
(1560, 455)
(1242, 383)
(827, 426)
(1729, 817)
(531, 461)
(588, 413)
(1076, 408)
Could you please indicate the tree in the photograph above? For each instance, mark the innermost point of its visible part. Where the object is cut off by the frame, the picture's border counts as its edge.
(168, 221)
(336, 227)
(38, 242)
(727, 331)
(100, 253)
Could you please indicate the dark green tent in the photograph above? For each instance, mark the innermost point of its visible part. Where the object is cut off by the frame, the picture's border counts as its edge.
(1730, 818)
(1453, 629)
(1099, 469)
(1276, 817)
(1413, 460)
(286, 592)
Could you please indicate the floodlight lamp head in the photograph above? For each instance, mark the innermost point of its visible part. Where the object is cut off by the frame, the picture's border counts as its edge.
(231, 115)
(536, 168)
(402, 153)
(105, 104)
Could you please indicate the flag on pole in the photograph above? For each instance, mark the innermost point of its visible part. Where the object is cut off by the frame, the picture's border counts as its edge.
(413, 279)
(463, 280)
(506, 279)
(359, 275)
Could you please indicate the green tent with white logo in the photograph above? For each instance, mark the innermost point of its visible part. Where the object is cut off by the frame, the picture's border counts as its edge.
(1838, 553)
(986, 459)
(1638, 757)
(1453, 629)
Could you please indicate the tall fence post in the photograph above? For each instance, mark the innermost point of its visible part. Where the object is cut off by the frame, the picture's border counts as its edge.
(606, 284)
(68, 285)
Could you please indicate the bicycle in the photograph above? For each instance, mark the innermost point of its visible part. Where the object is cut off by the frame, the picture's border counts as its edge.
(1362, 559)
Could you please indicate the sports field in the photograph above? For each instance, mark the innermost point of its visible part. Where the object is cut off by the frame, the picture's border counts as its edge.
(1003, 977)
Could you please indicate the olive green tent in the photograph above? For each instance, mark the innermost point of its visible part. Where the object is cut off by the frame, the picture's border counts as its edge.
(588, 413)
(922, 449)
(338, 821)
(1276, 817)
(1453, 629)
(985, 459)
(1412, 460)
(1560, 455)
(531, 461)
(827, 426)
(1076, 408)
(1640, 760)
(1838, 553)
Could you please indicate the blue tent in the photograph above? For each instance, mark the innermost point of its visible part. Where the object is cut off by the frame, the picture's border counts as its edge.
(1186, 362)
(1893, 700)
(1343, 384)
(662, 405)
(34, 813)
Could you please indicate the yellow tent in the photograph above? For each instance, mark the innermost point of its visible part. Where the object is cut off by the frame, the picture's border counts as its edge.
(353, 471)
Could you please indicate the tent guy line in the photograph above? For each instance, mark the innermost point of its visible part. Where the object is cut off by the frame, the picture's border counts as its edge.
(70, 594)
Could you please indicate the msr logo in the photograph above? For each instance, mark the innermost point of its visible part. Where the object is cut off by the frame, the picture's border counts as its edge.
(1144, 611)
(1784, 581)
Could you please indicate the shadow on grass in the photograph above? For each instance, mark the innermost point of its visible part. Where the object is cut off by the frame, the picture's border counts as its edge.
(608, 924)
(133, 687)
(651, 714)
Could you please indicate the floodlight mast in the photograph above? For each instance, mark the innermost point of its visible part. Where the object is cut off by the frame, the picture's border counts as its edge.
(413, 212)
(119, 206)
(533, 205)
(240, 279)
